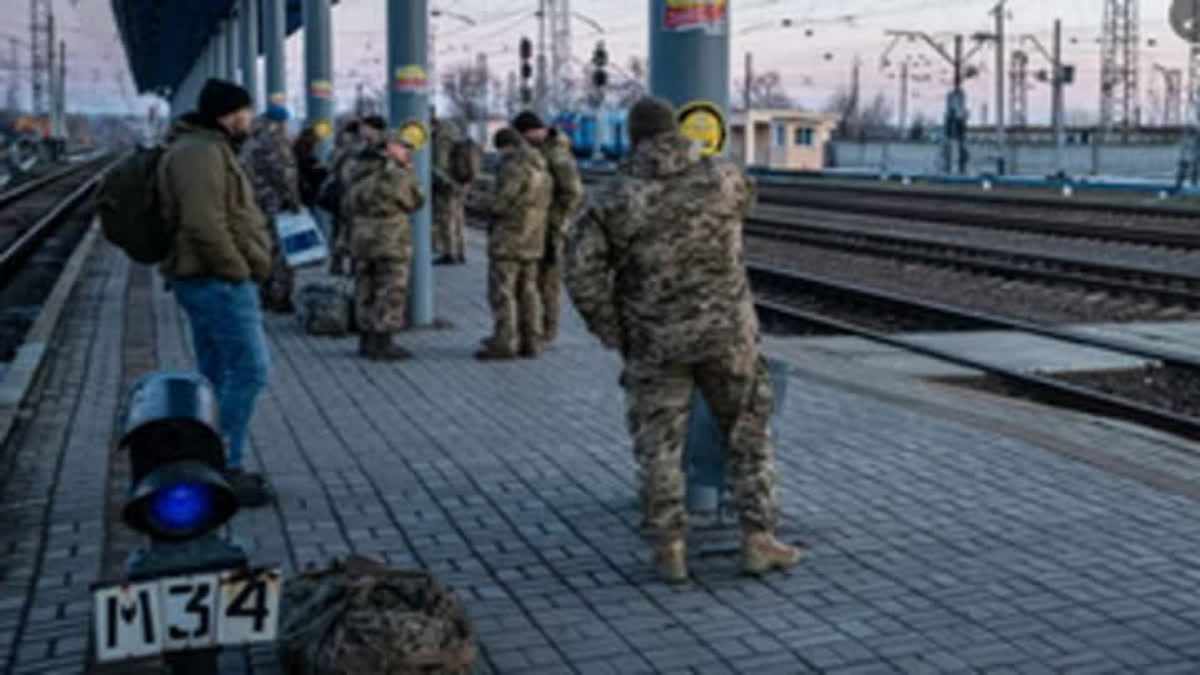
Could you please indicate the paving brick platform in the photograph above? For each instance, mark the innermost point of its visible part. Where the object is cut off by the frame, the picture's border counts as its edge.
(942, 541)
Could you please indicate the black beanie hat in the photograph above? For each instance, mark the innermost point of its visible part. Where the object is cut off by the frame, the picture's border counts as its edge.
(650, 117)
(376, 122)
(218, 98)
(506, 137)
(527, 121)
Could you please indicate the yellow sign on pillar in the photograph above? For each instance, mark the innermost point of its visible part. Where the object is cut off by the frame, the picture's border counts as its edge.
(703, 122)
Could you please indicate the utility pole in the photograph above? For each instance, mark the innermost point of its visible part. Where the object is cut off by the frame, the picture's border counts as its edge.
(1172, 99)
(1018, 89)
(11, 100)
(560, 51)
(1060, 136)
(955, 122)
(1059, 76)
(903, 98)
(60, 108)
(41, 53)
(541, 105)
(1119, 57)
(1001, 134)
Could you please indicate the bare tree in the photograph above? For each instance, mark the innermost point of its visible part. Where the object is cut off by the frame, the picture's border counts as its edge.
(632, 84)
(766, 91)
(466, 87)
(862, 122)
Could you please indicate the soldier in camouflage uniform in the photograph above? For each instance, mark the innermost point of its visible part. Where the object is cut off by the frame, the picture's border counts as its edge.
(370, 135)
(383, 192)
(568, 193)
(516, 240)
(271, 166)
(449, 197)
(656, 268)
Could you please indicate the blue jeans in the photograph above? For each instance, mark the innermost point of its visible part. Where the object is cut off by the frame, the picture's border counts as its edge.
(231, 350)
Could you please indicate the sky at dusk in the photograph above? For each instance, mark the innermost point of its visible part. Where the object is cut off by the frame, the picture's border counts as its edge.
(813, 67)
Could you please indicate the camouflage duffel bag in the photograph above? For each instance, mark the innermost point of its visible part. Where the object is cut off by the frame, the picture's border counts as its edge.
(361, 617)
(325, 307)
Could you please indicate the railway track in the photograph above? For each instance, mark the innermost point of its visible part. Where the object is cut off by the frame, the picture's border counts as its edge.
(39, 228)
(1138, 224)
(1164, 286)
(798, 299)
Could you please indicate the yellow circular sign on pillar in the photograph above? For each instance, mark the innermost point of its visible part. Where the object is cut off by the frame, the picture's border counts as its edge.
(703, 123)
(323, 128)
(415, 133)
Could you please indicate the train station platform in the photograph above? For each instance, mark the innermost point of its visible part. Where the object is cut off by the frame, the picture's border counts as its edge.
(950, 531)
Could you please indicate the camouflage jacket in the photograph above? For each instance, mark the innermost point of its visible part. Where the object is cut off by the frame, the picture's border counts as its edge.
(568, 186)
(271, 167)
(655, 263)
(381, 197)
(443, 150)
(524, 190)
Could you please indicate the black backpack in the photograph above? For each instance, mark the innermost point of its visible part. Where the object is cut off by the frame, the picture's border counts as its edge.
(130, 207)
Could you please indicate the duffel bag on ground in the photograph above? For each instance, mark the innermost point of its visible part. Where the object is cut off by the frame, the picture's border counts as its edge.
(361, 617)
(324, 307)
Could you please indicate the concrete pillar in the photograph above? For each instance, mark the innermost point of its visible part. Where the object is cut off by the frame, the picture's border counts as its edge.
(274, 30)
(318, 69)
(689, 62)
(231, 49)
(408, 103)
(248, 47)
(689, 58)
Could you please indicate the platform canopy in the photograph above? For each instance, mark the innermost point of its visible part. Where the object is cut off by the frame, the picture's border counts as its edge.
(164, 37)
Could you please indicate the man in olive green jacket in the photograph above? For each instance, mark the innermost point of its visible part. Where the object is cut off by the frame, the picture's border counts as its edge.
(220, 253)
(568, 195)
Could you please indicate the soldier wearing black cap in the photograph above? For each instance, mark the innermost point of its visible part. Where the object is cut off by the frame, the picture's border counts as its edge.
(568, 193)
(220, 254)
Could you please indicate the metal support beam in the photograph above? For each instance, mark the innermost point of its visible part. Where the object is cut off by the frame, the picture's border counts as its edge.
(318, 69)
(1060, 135)
(408, 101)
(230, 31)
(689, 61)
(248, 23)
(220, 56)
(273, 56)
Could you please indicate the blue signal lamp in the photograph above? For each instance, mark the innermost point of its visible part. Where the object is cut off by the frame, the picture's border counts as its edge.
(176, 453)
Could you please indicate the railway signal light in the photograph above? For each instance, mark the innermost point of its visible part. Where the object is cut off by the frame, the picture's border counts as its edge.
(526, 52)
(176, 454)
(599, 74)
(190, 592)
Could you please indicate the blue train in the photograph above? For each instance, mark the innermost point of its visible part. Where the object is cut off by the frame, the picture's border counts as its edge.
(590, 132)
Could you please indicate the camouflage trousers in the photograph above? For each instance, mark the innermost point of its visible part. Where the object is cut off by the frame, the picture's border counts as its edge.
(550, 288)
(381, 294)
(737, 387)
(513, 295)
(276, 291)
(449, 217)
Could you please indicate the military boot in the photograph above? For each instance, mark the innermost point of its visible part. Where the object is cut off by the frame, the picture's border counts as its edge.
(492, 352)
(366, 344)
(386, 350)
(762, 552)
(670, 559)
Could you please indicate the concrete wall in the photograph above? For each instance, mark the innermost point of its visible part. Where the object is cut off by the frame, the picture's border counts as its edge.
(1159, 161)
